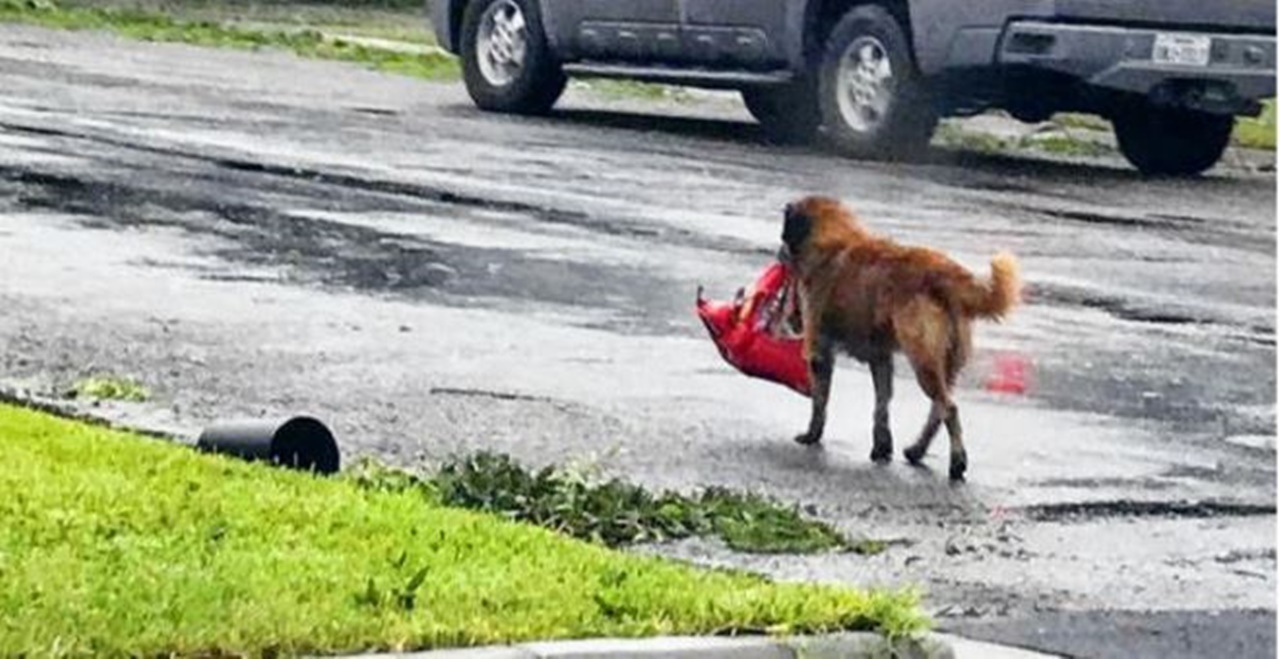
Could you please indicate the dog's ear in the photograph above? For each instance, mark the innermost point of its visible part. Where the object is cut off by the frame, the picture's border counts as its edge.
(796, 227)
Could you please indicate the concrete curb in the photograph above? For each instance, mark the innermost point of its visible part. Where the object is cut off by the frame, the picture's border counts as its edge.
(964, 648)
(387, 44)
(863, 645)
(851, 645)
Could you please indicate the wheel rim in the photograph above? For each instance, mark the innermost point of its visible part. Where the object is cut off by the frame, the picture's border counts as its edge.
(864, 84)
(501, 43)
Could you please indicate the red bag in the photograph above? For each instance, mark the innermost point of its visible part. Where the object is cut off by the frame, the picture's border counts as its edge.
(759, 331)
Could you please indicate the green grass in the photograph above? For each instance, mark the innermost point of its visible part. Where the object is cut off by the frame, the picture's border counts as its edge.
(151, 26)
(407, 24)
(114, 544)
(950, 136)
(1257, 132)
(953, 137)
(1065, 145)
(109, 387)
(1250, 132)
(622, 88)
(416, 7)
(1082, 121)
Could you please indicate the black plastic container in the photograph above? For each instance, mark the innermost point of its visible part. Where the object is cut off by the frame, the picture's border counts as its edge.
(301, 443)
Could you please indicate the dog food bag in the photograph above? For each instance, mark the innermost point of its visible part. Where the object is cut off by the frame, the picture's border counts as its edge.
(758, 332)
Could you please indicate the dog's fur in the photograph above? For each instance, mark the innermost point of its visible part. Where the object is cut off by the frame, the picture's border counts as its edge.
(872, 297)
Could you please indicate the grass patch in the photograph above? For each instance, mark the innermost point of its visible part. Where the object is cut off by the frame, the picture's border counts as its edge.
(951, 136)
(1257, 132)
(416, 7)
(948, 135)
(407, 24)
(620, 88)
(150, 26)
(1250, 132)
(1082, 121)
(613, 512)
(1065, 145)
(113, 544)
(110, 388)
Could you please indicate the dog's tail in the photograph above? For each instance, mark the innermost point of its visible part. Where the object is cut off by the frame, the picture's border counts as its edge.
(995, 298)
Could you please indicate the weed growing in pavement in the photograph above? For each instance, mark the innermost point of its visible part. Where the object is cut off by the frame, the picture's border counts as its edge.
(613, 512)
(109, 387)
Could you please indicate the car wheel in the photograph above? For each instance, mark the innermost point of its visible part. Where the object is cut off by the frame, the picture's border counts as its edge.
(874, 103)
(789, 114)
(1171, 141)
(506, 64)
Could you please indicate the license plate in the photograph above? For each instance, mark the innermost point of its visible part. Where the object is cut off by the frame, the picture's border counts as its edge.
(1181, 49)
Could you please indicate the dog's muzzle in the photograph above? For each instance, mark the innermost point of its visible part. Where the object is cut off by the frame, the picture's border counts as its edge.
(784, 254)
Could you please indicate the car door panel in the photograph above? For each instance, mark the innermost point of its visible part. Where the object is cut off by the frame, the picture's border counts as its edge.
(735, 33)
(630, 30)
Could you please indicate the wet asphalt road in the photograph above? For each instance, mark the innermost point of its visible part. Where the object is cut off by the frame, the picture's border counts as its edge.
(255, 234)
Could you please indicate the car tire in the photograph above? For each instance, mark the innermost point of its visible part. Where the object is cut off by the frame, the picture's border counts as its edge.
(874, 102)
(507, 65)
(1171, 141)
(788, 114)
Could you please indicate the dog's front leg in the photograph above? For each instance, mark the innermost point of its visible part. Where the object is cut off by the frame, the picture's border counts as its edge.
(821, 364)
(882, 377)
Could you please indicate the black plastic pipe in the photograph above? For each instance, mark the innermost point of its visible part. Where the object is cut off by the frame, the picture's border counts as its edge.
(301, 443)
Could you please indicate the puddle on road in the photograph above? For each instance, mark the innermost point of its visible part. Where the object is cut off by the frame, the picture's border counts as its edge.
(1213, 232)
(323, 251)
(1116, 306)
(1128, 508)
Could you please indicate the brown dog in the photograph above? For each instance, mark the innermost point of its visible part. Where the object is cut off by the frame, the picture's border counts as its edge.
(872, 297)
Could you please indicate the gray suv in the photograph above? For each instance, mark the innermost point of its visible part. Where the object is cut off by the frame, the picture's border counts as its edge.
(873, 77)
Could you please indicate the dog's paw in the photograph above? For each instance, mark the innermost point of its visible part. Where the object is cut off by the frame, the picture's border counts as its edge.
(808, 439)
(914, 454)
(959, 464)
(882, 447)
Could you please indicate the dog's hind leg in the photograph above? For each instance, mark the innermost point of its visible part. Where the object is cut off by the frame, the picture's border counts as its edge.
(882, 376)
(957, 355)
(923, 332)
(959, 459)
(933, 382)
(937, 414)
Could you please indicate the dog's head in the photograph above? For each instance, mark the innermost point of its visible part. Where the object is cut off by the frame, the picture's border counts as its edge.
(806, 218)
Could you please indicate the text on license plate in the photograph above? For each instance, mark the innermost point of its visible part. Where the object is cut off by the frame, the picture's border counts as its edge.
(1181, 49)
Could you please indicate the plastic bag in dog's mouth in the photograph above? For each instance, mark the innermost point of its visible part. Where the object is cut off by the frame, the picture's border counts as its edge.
(760, 331)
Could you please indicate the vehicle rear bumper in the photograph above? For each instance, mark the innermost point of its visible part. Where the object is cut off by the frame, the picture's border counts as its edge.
(1241, 67)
